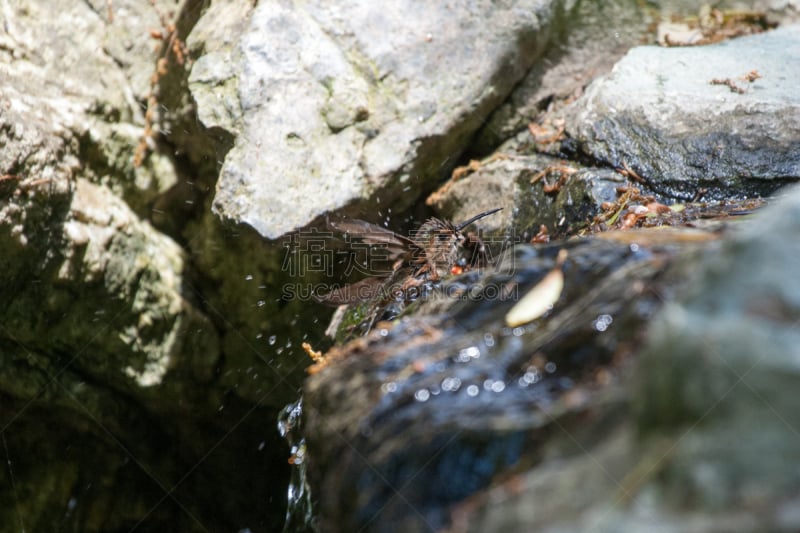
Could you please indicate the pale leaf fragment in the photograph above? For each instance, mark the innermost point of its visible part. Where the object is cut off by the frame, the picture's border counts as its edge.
(539, 299)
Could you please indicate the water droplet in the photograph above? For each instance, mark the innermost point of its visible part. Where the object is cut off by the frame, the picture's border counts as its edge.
(634, 247)
(498, 386)
(451, 384)
(272, 339)
(261, 303)
(488, 339)
(249, 277)
(550, 367)
(531, 376)
(473, 390)
(602, 322)
(298, 454)
(422, 395)
(466, 354)
(389, 386)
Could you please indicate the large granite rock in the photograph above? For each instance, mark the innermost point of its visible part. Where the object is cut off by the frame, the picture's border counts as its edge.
(661, 113)
(357, 103)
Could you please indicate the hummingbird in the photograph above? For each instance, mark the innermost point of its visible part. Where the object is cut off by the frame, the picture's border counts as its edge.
(430, 253)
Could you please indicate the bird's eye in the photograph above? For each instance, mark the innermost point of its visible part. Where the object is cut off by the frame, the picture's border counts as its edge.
(441, 236)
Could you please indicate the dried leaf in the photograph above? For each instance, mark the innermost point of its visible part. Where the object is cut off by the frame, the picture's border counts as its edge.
(543, 236)
(539, 299)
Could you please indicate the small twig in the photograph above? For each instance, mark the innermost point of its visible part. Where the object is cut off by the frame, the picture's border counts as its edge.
(171, 45)
(728, 83)
(628, 172)
(542, 136)
(750, 77)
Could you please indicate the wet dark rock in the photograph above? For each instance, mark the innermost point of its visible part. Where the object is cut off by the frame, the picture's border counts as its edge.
(374, 103)
(661, 113)
(415, 418)
(429, 423)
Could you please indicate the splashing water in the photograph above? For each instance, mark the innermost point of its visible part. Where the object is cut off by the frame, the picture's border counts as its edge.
(299, 512)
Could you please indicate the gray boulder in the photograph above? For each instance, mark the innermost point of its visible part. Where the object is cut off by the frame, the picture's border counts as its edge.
(358, 103)
(719, 117)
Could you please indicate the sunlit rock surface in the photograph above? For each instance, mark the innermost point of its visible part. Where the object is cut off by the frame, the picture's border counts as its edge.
(661, 113)
(107, 247)
(359, 102)
(60, 150)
